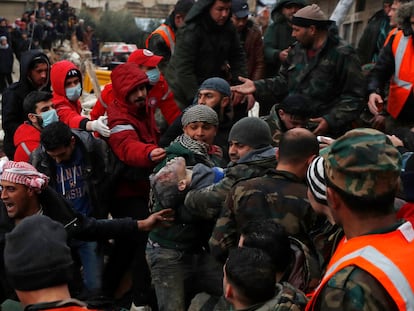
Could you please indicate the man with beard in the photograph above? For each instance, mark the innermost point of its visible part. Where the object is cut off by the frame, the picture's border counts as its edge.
(133, 139)
(207, 46)
(34, 76)
(323, 68)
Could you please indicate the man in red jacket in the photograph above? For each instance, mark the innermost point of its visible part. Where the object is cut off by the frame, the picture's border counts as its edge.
(134, 137)
(67, 88)
(159, 94)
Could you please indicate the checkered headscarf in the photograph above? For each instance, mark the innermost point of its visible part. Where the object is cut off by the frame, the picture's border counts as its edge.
(25, 174)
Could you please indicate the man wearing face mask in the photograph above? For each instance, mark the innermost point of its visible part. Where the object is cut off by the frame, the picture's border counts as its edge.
(34, 76)
(159, 94)
(67, 88)
(38, 108)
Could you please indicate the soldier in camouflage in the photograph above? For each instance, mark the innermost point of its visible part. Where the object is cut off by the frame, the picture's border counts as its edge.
(251, 155)
(371, 268)
(322, 67)
(280, 195)
(292, 112)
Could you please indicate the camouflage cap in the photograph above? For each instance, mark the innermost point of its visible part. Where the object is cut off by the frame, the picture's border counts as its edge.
(363, 162)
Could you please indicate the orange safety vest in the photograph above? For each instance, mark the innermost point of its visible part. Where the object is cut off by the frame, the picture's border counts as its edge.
(387, 257)
(166, 33)
(402, 82)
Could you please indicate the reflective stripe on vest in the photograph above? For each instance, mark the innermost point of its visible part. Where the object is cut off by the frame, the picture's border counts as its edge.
(167, 34)
(402, 81)
(122, 127)
(372, 253)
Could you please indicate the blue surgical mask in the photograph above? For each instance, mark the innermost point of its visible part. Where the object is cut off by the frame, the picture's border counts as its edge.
(49, 117)
(153, 75)
(73, 93)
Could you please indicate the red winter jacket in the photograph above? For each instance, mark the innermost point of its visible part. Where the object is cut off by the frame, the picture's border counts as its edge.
(159, 96)
(69, 112)
(133, 131)
(26, 139)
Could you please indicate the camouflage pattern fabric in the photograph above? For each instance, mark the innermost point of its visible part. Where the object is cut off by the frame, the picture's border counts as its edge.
(287, 298)
(363, 162)
(207, 203)
(279, 195)
(332, 80)
(276, 126)
(354, 289)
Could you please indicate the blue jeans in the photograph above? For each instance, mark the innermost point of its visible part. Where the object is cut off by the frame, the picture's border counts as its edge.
(177, 276)
(92, 264)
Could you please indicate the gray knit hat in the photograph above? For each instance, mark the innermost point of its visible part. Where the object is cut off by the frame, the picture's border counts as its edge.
(315, 177)
(251, 131)
(36, 255)
(216, 84)
(199, 113)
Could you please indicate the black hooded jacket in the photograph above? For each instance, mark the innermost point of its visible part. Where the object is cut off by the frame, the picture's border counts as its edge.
(13, 97)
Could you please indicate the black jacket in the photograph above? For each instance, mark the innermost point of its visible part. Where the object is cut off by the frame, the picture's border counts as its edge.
(12, 101)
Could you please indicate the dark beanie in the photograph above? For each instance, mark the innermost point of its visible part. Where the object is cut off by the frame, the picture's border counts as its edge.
(216, 84)
(73, 73)
(251, 131)
(36, 255)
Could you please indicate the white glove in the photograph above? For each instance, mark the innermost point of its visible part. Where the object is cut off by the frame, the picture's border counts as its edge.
(100, 126)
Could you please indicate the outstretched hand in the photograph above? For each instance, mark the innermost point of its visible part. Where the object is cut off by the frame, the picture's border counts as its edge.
(246, 88)
(162, 218)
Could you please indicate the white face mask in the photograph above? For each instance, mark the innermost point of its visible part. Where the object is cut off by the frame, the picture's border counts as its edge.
(73, 93)
(153, 76)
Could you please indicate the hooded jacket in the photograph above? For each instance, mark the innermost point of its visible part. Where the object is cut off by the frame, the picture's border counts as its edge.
(13, 97)
(133, 130)
(69, 112)
(26, 139)
(278, 36)
(203, 50)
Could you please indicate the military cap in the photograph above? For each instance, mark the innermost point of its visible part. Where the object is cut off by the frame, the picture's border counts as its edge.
(363, 162)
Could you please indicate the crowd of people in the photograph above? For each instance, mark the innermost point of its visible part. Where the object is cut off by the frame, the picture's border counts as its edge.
(168, 196)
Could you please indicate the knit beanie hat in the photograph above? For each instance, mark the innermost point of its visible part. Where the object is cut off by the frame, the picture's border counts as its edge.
(199, 113)
(315, 177)
(216, 84)
(251, 131)
(25, 174)
(73, 73)
(36, 255)
(296, 105)
(310, 15)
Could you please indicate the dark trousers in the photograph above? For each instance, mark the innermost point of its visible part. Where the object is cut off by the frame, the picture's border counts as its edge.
(128, 253)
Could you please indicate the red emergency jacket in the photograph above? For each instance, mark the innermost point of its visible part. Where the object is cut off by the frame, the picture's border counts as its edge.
(69, 112)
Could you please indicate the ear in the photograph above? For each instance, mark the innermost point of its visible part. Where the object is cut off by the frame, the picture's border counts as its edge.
(32, 117)
(310, 159)
(277, 154)
(228, 292)
(182, 185)
(281, 113)
(312, 29)
(332, 198)
(225, 101)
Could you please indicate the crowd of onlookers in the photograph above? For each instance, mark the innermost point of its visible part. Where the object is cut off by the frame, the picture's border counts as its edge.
(307, 207)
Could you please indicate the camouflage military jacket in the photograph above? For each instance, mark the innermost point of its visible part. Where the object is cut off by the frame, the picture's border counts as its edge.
(277, 128)
(332, 80)
(206, 203)
(279, 195)
(287, 298)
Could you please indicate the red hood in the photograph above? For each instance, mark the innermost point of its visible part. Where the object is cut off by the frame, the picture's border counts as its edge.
(125, 78)
(58, 76)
